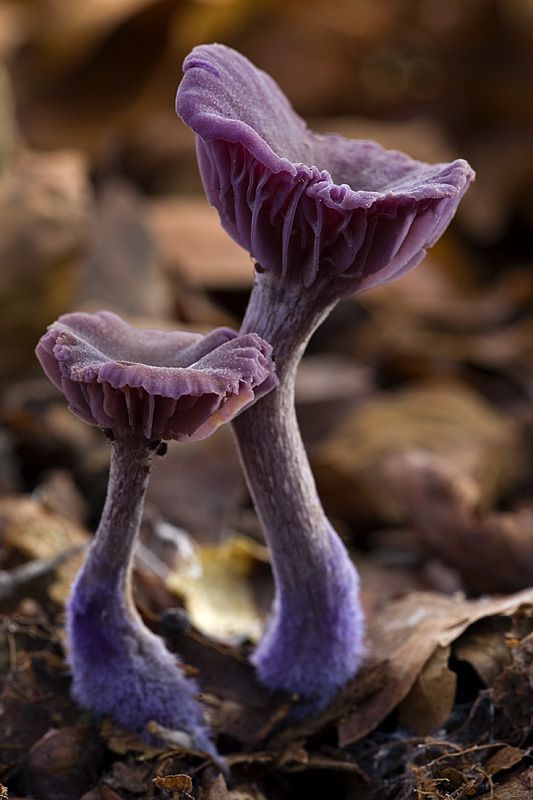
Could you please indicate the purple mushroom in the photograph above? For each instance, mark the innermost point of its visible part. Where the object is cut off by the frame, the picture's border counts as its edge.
(323, 218)
(141, 387)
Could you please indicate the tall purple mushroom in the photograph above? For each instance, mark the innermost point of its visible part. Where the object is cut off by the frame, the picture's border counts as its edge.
(323, 218)
(140, 387)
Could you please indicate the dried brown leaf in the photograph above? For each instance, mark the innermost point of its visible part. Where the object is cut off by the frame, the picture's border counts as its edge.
(371, 679)
(134, 777)
(9, 468)
(213, 786)
(484, 647)
(121, 271)
(27, 528)
(512, 690)
(405, 635)
(47, 433)
(192, 242)
(505, 758)
(44, 209)
(34, 698)
(430, 701)
(63, 764)
(59, 494)
(224, 670)
(7, 114)
(178, 783)
(121, 741)
(493, 552)
(453, 303)
(517, 787)
(199, 487)
(252, 725)
(327, 388)
(447, 421)
(68, 53)
(429, 326)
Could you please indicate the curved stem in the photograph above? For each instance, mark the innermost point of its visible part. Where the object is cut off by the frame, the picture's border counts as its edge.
(119, 667)
(110, 558)
(313, 644)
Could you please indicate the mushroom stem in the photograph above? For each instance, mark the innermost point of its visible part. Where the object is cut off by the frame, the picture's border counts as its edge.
(110, 558)
(119, 667)
(313, 644)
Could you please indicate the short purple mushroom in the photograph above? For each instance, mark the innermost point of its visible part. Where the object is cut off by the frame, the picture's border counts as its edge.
(323, 218)
(142, 387)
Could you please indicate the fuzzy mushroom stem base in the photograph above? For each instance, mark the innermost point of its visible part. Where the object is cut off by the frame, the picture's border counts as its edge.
(119, 667)
(314, 642)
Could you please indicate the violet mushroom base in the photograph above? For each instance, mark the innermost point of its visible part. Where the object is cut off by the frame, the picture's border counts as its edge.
(313, 644)
(123, 670)
(312, 648)
(119, 667)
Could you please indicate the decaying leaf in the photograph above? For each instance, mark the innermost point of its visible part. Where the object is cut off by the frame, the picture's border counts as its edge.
(438, 322)
(63, 764)
(9, 470)
(505, 758)
(213, 787)
(448, 421)
(406, 635)
(60, 495)
(199, 486)
(451, 774)
(121, 271)
(253, 725)
(35, 693)
(27, 528)
(121, 742)
(176, 783)
(47, 432)
(131, 776)
(518, 787)
(484, 647)
(513, 688)
(44, 206)
(430, 701)
(22, 579)
(215, 583)
(7, 119)
(191, 241)
(451, 301)
(66, 54)
(493, 552)
(327, 389)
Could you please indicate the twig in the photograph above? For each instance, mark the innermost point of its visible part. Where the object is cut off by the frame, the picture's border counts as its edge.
(12, 581)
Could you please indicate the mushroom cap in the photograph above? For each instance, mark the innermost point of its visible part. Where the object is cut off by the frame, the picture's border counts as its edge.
(151, 383)
(309, 207)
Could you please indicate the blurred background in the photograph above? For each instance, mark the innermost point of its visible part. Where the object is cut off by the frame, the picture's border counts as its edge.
(415, 400)
(95, 164)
